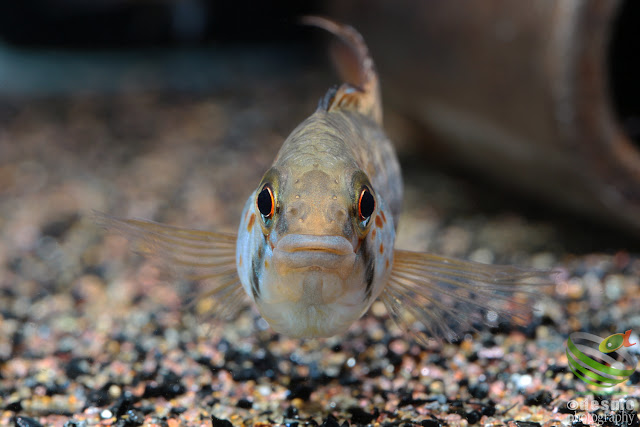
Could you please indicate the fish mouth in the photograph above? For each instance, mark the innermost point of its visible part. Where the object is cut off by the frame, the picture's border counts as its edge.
(306, 251)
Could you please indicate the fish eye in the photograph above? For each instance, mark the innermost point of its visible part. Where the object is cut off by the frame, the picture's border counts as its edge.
(366, 204)
(265, 202)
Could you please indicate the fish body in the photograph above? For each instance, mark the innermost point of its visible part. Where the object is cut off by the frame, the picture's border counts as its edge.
(315, 244)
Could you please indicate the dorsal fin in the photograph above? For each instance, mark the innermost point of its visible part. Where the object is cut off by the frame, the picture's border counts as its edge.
(360, 90)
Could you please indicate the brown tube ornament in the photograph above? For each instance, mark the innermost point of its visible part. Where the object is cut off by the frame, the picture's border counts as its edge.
(527, 92)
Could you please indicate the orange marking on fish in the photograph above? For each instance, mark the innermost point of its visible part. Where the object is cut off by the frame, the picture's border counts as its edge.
(386, 263)
(378, 222)
(266, 264)
(373, 233)
(252, 220)
(384, 218)
(381, 248)
(240, 262)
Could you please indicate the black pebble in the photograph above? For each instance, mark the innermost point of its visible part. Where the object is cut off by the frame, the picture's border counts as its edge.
(147, 409)
(541, 398)
(291, 412)
(124, 404)
(301, 391)
(245, 404)
(98, 398)
(169, 388)
(55, 388)
(473, 416)
(479, 391)
(431, 423)
(489, 408)
(15, 406)
(557, 369)
(26, 422)
(330, 421)
(217, 422)
(245, 374)
(76, 367)
(349, 380)
(359, 416)
(178, 410)
(528, 424)
(408, 400)
(133, 418)
(563, 408)
(57, 229)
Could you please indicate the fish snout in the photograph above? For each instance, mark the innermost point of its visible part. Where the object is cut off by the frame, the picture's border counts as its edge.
(331, 253)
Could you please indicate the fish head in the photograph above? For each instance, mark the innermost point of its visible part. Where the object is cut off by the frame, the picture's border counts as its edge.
(315, 247)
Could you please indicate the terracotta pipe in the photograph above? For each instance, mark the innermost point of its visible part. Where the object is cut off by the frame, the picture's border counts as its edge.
(518, 90)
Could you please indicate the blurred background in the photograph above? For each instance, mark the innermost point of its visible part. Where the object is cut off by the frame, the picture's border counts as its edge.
(540, 103)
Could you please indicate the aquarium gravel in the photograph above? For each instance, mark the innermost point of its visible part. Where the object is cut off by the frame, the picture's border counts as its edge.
(92, 334)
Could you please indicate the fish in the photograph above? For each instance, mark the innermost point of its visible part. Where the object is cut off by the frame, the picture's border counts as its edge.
(315, 246)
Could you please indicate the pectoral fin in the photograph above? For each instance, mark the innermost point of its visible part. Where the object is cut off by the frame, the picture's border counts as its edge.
(447, 296)
(200, 256)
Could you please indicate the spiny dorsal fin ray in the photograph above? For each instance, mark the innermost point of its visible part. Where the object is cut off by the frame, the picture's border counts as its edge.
(448, 296)
(361, 91)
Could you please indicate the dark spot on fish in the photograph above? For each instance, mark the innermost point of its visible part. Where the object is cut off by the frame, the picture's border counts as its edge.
(381, 248)
(255, 284)
(252, 220)
(384, 218)
(378, 221)
(256, 265)
(282, 226)
(373, 233)
(369, 270)
(386, 263)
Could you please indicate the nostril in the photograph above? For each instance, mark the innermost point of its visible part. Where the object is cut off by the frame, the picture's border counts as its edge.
(292, 211)
(339, 215)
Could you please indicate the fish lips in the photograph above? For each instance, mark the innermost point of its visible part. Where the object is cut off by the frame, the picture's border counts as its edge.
(295, 252)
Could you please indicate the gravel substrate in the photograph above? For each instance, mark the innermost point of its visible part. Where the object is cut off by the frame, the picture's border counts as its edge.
(91, 334)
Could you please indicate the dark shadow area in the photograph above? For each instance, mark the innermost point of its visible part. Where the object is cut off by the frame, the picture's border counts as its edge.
(126, 23)
(490, 198)
(624, 68)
